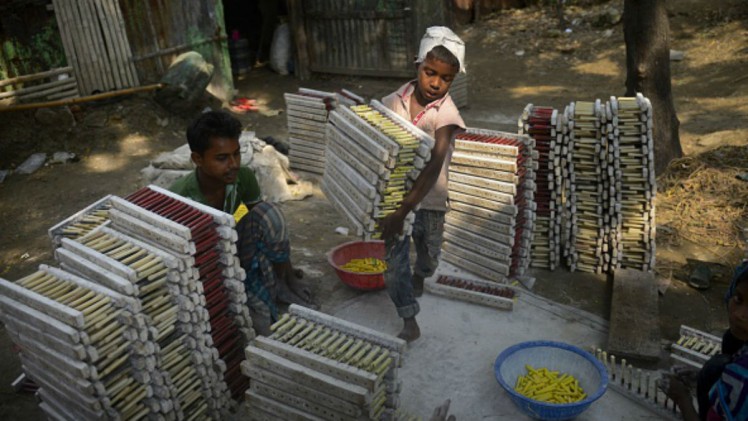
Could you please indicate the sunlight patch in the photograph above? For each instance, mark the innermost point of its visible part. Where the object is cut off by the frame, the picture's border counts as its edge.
(602, 67)
(536, 90)
(135, 145)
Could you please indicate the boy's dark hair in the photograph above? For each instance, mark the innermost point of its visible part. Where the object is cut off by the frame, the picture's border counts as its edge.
(212, 124)
(441, 53)
(740, 275)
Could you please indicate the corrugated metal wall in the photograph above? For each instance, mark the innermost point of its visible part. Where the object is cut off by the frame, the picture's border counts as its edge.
(360, 37)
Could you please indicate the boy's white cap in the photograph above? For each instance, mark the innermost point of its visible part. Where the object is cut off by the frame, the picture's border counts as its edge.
(441, 35)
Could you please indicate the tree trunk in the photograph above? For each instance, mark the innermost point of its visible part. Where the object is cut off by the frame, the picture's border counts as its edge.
(646, 32)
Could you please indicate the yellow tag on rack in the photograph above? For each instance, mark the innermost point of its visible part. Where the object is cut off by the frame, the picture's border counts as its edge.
(241, 211)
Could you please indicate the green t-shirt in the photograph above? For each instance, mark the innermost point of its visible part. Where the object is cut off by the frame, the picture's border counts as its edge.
(246, 190)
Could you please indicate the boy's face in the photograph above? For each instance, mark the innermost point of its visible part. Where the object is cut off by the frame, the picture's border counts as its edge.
(434, 79)
(220, 162)
(737, 309)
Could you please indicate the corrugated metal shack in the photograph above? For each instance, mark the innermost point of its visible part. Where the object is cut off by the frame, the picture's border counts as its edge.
(361, 37)
(93, 46)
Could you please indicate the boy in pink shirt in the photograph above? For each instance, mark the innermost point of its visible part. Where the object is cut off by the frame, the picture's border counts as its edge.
(426, 102)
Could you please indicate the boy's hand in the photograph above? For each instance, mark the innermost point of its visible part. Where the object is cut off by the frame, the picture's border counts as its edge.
(674, 387)
(392, 224)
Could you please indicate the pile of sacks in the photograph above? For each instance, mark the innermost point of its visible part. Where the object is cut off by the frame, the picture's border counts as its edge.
(277, 182)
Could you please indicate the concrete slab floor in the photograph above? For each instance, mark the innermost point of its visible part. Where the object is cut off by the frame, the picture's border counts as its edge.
(460, 341)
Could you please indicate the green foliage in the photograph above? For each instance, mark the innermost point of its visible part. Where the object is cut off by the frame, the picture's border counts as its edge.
(42, 51)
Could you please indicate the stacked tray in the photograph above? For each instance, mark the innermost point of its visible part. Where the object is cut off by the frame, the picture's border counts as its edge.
(214, 270)
(373, 156)
(488, 229)
(586, 181)
(695, 347)
(306, 112)
(182, 373)
(635, 184)
(82, 222)
(73, 336)
(540, 123)
(316, 366)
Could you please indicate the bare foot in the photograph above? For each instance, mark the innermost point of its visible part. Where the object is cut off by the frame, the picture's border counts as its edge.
(417, 285)
(410, 331)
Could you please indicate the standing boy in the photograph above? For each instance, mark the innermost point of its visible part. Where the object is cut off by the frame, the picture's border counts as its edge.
(425, 102)
(221, 182)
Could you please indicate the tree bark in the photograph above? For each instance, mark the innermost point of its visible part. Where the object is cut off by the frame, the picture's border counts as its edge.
(646, 32)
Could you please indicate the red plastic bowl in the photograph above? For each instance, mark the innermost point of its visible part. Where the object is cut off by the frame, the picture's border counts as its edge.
(343, 253)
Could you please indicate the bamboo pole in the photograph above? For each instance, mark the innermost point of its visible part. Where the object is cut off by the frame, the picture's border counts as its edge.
(72, 101)
(35, 76)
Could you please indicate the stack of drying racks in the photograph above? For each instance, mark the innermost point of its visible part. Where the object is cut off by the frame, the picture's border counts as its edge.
(316, 366)
(306, 113)
(695, 347)
(584, 205)
(489, 226)
(215, 271)
(73, 336)
(540, 124)
(182, 371)
(373, 156)
(81, 222)
(635, 184)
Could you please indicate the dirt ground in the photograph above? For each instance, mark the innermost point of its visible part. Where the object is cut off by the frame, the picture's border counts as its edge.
(513, 58)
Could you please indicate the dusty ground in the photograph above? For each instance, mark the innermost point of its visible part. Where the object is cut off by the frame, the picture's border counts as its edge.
(511, 61)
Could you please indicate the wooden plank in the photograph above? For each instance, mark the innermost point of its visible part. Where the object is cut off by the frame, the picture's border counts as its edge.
(50, 325)
(111, 48)
(43, 304)
(286, 412)
(391, 342)
(634, 303)
(94, 50)
(482, 193)
(491, 205)
(352, 134)
(83, 47)
(71, 93)
(82, 401)
(40, 90)
(305, 376)
(18, 327)
(35, 76)
(298, 29)
(492, 229)
(65, 25)
(475, 297)
(456, 250)
(334, 196)
(268, 377)
(483, 272)
(123, 41)
(324, 365)
(303, 404)
(339, 141)
(501, 253)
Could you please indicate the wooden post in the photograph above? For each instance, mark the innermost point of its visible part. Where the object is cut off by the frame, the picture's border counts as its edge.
(298, 31)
